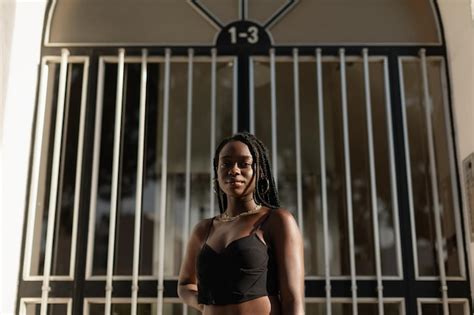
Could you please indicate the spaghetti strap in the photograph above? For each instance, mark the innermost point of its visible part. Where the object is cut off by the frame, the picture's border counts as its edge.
(259, 226)
(265, 218)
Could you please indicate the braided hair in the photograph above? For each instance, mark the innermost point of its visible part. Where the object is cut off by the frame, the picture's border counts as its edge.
(265, 193)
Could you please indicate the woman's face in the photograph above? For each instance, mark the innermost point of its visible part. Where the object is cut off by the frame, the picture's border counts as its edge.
(234, 170)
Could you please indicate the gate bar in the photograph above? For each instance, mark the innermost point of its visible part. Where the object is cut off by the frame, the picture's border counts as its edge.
(35, 169)
(394, 192)
(322, 151)
(235, 115)
(373, 182)
(213, 131)
(115, 180)
(456, 210)
(434, 183)
(80, 154)
(139, 190)
(274, 115)
(252, 95)
(95, 165)
(408, 165)
(187, 183)
(164, 180)
(347, 168)
(298, 139)
(62, 165)
(54, 180)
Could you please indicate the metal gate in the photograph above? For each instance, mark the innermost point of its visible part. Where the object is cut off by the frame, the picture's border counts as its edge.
(362, 151)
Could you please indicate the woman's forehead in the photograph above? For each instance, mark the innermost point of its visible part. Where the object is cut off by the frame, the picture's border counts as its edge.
(235, 149)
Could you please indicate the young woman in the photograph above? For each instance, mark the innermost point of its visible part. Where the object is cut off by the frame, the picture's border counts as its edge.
(249, 258)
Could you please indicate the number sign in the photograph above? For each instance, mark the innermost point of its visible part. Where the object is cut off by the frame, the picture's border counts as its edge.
(243, 34)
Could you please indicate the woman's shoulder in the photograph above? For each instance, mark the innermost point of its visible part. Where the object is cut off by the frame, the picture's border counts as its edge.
(201, 228)
(280, 226)
(281, 215)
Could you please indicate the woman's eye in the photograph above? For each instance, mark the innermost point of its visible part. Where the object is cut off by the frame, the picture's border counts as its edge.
(239, 164)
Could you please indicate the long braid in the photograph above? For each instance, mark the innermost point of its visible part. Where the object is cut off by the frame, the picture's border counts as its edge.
(272, 196)
(262, 169)
(221, 199)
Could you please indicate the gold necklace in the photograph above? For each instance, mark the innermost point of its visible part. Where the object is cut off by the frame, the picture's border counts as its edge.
(224, 217)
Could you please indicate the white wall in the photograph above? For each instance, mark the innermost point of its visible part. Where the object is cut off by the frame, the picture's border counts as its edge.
(459, 32)
(21, 24)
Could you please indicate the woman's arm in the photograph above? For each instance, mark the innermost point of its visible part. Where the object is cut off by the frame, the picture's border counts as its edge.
(288, 245)
(188, 294)
(187, 281)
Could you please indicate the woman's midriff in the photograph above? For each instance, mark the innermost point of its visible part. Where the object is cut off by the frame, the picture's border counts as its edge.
(265, 305)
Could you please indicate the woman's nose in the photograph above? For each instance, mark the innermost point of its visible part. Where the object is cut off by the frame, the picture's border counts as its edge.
(234, 169)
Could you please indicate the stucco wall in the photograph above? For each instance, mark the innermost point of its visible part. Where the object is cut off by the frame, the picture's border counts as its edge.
(21, 26)
(459, 32)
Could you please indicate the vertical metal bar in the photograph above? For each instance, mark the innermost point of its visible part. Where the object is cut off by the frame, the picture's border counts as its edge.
(252, 95)
(164, 175)
(245, 10)
(80, 149)
(408, 166)
(419, 308)
(35, 170)
(189, 121)
(274, 115)
(402, 307)
(115, 180)
(394, 193)
(373, 182)
(299, 188)
(235, 114)
(452, 168)
(139, 191)
(86, 306)
(241, 11)
(348, 182)
(62, 166)
(213, 130)
(324, 202)
(434, 185)
(157, 189)
(22, 308)
(54, 180)
(95, 166)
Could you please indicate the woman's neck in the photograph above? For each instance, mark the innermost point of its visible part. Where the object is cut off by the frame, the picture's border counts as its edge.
(237, 206)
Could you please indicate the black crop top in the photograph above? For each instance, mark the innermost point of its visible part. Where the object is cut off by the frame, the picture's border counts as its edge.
(244, 270)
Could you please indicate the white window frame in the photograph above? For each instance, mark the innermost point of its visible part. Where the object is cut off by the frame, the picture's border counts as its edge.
(421, 301)
(24, 301)
(385, 300)
(459, 233)
(38, 142)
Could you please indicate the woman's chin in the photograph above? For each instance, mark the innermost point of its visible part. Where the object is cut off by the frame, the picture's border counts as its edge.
(236, 193)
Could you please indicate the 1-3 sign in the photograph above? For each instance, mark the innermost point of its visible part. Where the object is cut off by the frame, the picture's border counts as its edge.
(251, 34)
(243, 33)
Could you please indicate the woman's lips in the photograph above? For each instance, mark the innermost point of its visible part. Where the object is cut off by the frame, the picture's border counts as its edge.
(235, 183)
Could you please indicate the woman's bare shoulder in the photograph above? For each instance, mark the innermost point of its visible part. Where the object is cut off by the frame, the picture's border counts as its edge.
(284, 231)
(279, 218)
(281, 215)
(200, 229)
